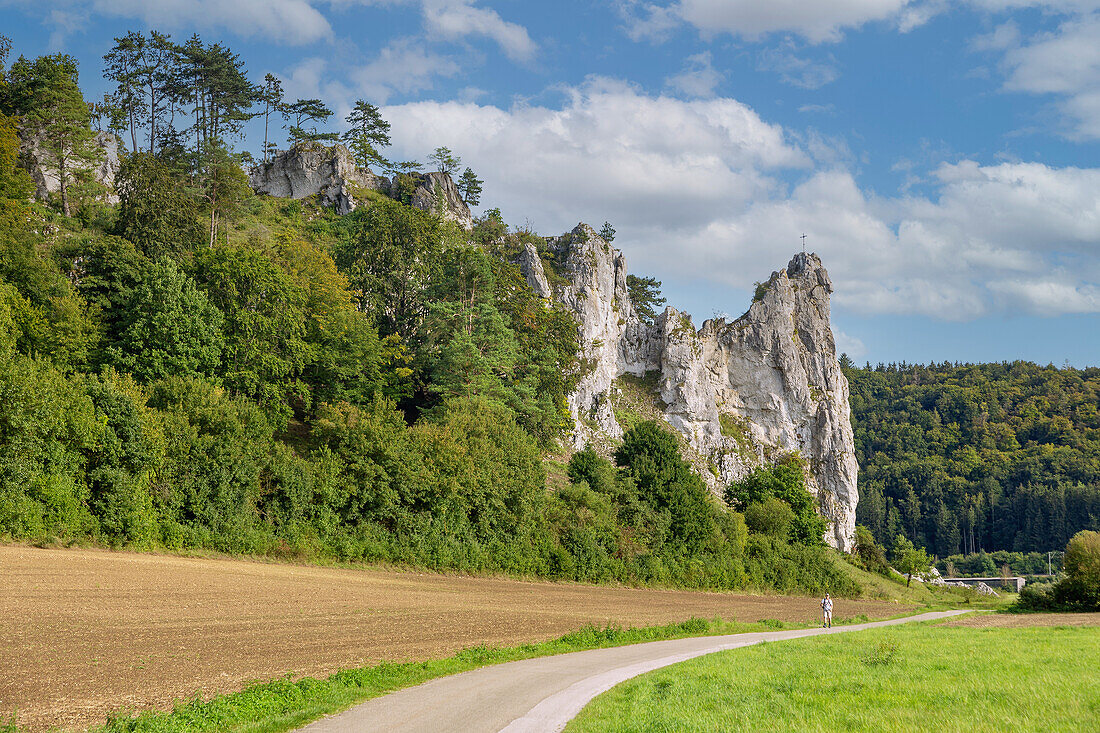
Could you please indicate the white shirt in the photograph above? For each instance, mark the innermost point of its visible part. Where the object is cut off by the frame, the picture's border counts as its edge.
(827, 605)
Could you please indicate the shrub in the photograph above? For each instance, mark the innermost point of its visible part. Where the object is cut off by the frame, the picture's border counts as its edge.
(785, 480)
(869, 554)
(1037, 597)
(772, 517)
(1080, 589)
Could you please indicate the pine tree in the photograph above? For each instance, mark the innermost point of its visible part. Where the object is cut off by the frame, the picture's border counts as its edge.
(46, 94)
(608, 232)
(368, 134)
(272, 97)
(304, 111)
(122, 65)
(445, 160)
(469, 185)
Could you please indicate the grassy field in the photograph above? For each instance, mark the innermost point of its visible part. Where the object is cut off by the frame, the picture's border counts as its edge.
(911, 678)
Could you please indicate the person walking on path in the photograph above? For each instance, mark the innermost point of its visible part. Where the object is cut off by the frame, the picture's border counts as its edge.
(826, 612)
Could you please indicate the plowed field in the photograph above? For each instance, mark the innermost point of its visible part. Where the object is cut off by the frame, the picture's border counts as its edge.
(1024, 620)
(87, 632)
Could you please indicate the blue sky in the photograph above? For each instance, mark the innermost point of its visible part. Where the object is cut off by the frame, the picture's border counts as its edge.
(943, 158)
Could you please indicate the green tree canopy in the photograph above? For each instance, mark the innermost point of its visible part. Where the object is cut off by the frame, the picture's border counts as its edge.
(308, 112)
(469, 185)
(170, 328)
(909, 560)
(157, 212)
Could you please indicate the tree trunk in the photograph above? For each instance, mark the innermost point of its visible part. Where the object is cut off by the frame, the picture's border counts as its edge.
(64, 185)
(152, 118)
(133, 132)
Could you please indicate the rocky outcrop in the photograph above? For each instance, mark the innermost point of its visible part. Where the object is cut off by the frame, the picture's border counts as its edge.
(43, 172)
(741, 393)
(530, 264)
(437, 192)
(330, 173)
(313, 169)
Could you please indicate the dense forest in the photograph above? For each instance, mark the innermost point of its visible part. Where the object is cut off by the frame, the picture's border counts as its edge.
(198, 367)
(972, 457)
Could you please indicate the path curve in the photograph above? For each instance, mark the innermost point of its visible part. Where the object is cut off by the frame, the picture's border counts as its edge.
(542, 695)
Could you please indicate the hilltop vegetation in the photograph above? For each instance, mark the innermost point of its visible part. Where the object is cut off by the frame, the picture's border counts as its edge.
(197, 367)
(963, 458)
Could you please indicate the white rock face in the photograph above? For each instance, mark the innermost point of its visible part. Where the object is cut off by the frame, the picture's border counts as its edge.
(313, 169)
(437, 192)
(44, 173)
(742, 393)
(309, 169)
(531, 266)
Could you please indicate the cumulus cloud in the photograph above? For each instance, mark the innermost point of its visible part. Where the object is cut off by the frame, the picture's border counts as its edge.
(817, 22)
(707, 188)
(453, 19)
(1065, 63)
(609, 152)
(698, 77)
(282, 21)
(404, 66)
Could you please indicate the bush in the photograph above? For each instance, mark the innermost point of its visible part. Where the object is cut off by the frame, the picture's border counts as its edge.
(868, 554)
(785, 480)
(1080, 589)
(1037, 597)
(772, 517)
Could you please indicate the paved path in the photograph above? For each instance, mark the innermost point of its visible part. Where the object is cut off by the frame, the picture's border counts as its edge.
(541, 695)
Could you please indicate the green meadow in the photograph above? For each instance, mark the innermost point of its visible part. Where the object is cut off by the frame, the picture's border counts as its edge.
(910, 678)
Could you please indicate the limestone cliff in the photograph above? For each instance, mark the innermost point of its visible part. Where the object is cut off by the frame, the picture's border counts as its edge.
(741, 392)
(313, 169)
(43, 171)
(330, 173)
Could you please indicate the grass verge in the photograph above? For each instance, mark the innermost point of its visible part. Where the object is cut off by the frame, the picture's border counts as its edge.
(285, 703)
(919, 677)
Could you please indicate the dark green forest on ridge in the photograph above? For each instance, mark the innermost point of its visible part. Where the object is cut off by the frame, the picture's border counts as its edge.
(963, 458)
(198, 367)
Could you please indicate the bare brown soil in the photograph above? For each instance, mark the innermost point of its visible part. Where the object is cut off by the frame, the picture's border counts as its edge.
(1022, 620)
(84, 633)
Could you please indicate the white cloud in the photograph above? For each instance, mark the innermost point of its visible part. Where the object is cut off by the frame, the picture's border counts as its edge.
(609, 152)
(405, 66)
(451, 19)
(799, 72)
(282, 21)
(1065, 63)
(817, 21)
(850, 345)
(697, 189)
(698, 77)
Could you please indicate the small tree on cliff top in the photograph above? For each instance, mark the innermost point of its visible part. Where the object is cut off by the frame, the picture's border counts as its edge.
(469, 185)
(445, 160)
(369, 133)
